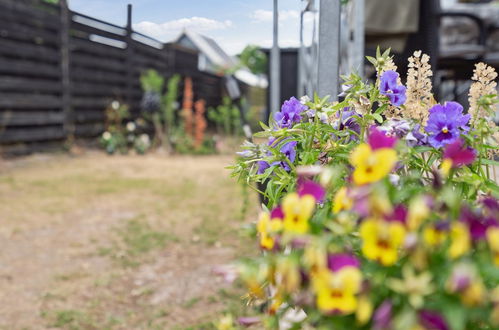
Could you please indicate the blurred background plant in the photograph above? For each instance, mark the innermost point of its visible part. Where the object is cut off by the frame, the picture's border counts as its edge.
(226, 117)
(114, 138)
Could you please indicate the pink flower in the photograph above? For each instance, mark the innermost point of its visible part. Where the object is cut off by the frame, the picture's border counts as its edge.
(308, 187)
(459, 154)
(378, 139)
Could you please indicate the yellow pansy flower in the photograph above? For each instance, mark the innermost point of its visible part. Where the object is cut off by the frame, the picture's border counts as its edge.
(364, 310)
(493, 240)
(342, 201)
(371, 165)
(336, 291)
(435, 235)
(381, 240)
(460, 240)
(265, 228)
(297, 212)
(418, 211)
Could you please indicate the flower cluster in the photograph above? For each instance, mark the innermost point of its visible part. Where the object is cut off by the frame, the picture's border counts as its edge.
(372, 223)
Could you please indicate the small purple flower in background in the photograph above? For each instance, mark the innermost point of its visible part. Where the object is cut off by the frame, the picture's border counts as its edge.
(432, 320)
(396, 127)
(402, 129)
(289, 150)
(415, 137)
(290, 113)
(390, 88)
(445, 124)
(347, 120)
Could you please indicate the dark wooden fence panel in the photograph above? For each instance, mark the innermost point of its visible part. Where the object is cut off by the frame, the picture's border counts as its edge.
(60, 69)
(30, 93)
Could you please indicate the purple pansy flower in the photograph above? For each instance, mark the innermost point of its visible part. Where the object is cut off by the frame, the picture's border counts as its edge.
(308, 187)
(459, 154)
(390, 88)
(432, 320)
(288, 149)
(377, 139)
(477, 223)
(290, 113)
(277, 213)
(347, 119)
(262, 166)
(337, 261)
(445, 124)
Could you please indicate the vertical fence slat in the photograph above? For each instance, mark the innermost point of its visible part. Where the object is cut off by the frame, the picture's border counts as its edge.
(68, 125)
(129, 55)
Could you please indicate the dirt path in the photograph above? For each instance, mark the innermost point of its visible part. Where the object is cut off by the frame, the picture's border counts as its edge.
(98, 242)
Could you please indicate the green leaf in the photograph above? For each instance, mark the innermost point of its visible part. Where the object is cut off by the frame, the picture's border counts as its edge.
(378, 117)
(371, 59)
(490, 162)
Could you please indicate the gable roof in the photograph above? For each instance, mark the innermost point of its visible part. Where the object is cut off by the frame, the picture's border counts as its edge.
(209, 48)
(219, 58)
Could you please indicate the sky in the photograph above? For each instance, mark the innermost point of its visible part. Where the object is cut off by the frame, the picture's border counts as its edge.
(232, 23)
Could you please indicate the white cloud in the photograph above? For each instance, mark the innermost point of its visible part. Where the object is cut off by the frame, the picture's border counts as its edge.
(168, 30)
(261, 15)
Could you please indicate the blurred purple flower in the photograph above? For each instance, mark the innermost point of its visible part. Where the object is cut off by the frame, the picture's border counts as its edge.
(337, 261)
(390, 88)
(445, 124)
(432, 320)
(477, 223)
(277, 213)
(399, 214)
(247, 321)
(377, 139)
(290, 113)
(459, 154)
(383, 316)
(308, 187)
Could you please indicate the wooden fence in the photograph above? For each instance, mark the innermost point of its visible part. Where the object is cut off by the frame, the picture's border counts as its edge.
(60, 69)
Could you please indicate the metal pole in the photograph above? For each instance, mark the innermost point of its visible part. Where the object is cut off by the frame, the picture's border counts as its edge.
(301, 50)
(275, 65)
(329, 48)
(358, 35)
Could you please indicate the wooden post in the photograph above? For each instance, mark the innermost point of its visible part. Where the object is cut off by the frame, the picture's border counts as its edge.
(129, 57)
(68, 124)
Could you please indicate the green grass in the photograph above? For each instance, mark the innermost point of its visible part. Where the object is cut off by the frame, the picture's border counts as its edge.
(134, 240)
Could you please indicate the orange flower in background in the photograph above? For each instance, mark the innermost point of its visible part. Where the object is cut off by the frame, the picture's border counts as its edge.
(200, 122)
(187, 106)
